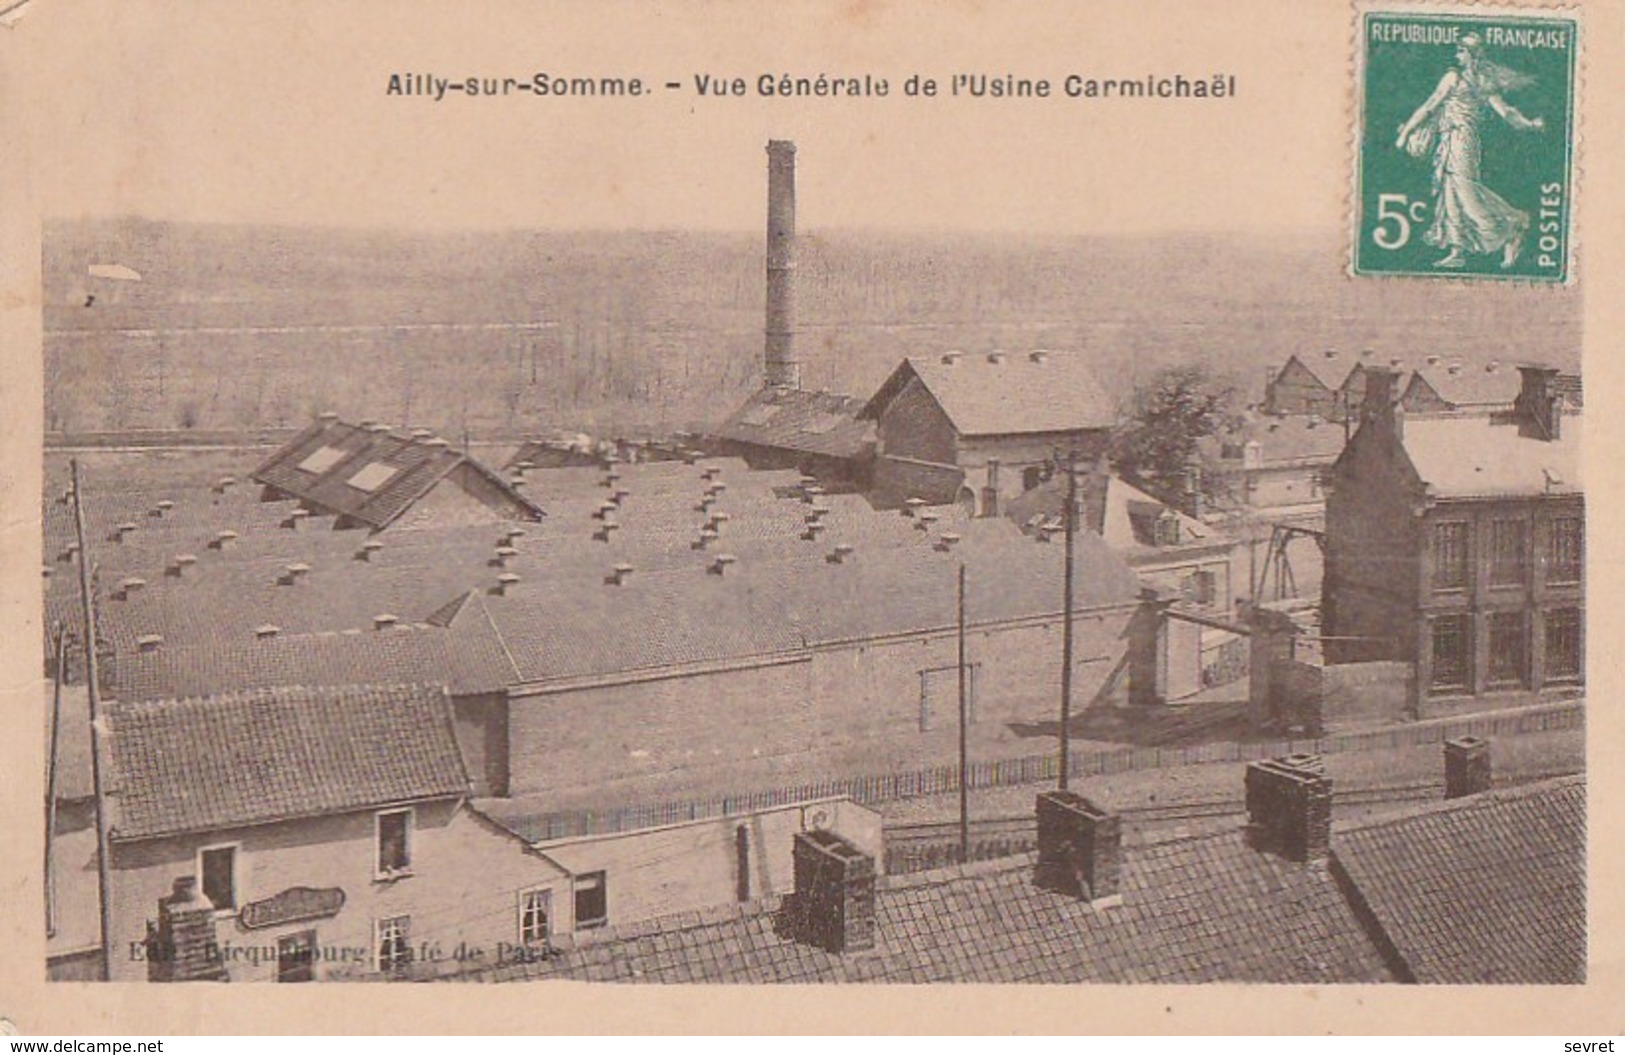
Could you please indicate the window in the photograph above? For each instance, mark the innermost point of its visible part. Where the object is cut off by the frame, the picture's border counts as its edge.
(1450, 644)
(1450, 556)
(1031, 477)
(1565, 658)
(1200, 588)
(939, 696)
(394, 943)
(1507, 552)
(218, 867)
(1567, 552)
(1166, 529)
(296, 957)
(394, 843)
(1508, 649)
(592, 900)
(535, 916)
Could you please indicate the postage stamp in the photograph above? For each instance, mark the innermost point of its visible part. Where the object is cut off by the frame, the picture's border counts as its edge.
(1465, 148)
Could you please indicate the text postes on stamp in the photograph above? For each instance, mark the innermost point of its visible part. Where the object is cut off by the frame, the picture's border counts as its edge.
(1465, 152)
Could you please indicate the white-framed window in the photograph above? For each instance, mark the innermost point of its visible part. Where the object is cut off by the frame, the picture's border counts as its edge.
(394, 843)
(592, 900)
(535, 916)
(392, 943)
(217, 872)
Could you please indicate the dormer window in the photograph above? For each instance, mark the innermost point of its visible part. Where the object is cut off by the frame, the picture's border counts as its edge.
(1167, 529)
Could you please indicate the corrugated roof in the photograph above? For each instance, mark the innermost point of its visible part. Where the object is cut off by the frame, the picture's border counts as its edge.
(370, 476)
(236, 759)
(1205, 909)
(1488, 890)
(1016, 395)
(1482, 455)
(799, 420)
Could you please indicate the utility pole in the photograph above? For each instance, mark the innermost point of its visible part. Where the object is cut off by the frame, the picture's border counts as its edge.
(93, 691)
(964, 722)
(1069, 521)
(60, 648)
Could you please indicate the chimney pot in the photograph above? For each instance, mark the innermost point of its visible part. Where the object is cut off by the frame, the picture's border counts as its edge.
(267, 630)
(1040, 355)
(1467, 769)
(437, 442)
(1331, 353)
(952, 358)
(505, 583)
(1434, 360)
(327, 415)
(996, 357)
(384, 621)
(224, 540)
(132, 585)
(722, 562)
(947, 541)
(149, 642)
(841, 553)
(1079, 848)
(619, 574)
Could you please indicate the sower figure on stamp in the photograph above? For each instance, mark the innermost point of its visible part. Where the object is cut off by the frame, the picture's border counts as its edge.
(1468, 217)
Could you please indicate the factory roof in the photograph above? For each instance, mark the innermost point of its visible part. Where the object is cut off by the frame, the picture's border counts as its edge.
(802, 421)
(1001, 394)
(371, 475)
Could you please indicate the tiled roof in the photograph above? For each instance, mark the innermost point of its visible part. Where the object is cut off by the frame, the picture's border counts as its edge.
(370, 476)
(207, 763)
(1330, 372)
(1015, 396)
(1292, 440)
(1485, 890)
(1482, 455)
(1204, 909)
(466, 661)
(794, 419)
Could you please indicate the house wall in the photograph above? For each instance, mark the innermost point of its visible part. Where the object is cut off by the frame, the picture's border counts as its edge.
(1373, 571)
(1420, 397)
(914, 426)
(464, 887)
(1019, 452)
(897, 479)
(845, 700)
(481, 726)
(688, 867)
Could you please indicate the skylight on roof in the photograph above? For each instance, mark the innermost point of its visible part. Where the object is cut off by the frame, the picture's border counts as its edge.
(373, 476)
(759, 415)
(822, 424)
(321, 459)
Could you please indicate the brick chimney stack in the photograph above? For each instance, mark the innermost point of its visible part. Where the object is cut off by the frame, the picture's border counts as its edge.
(1381, 404)
(1466, 766)
(834, 900)
(1289, 807)
(184, 947)
(782, 368)
(1079, 848)
(1539, 406)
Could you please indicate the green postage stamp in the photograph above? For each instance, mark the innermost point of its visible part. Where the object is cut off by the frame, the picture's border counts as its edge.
(1465, 142)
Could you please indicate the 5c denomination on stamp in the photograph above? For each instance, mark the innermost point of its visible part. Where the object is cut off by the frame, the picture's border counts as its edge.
(1465, 147)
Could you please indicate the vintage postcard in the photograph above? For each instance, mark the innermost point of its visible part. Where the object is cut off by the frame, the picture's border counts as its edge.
(990, 507)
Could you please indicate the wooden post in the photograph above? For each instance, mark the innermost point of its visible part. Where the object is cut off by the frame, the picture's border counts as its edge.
(1069, 519)
(964, 722)
(60, 648)
(93, 691)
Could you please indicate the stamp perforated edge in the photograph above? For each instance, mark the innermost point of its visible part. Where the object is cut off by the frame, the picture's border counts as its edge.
(1355, 101)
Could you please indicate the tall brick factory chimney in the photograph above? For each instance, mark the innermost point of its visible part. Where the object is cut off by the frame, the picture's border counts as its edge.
(782, 369)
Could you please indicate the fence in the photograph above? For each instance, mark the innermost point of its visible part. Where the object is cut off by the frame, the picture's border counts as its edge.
(1038, 769)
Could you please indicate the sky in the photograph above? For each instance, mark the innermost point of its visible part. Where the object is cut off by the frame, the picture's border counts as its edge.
(277, 113)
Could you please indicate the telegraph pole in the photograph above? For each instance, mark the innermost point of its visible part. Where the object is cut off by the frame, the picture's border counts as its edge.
(1069, 521)
(60, 649)
(964, 721)
(93, 691)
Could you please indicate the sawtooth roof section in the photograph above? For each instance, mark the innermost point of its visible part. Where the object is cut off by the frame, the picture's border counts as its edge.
(807, 422)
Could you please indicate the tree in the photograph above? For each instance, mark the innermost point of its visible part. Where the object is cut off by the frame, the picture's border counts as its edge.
(1158, 448)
